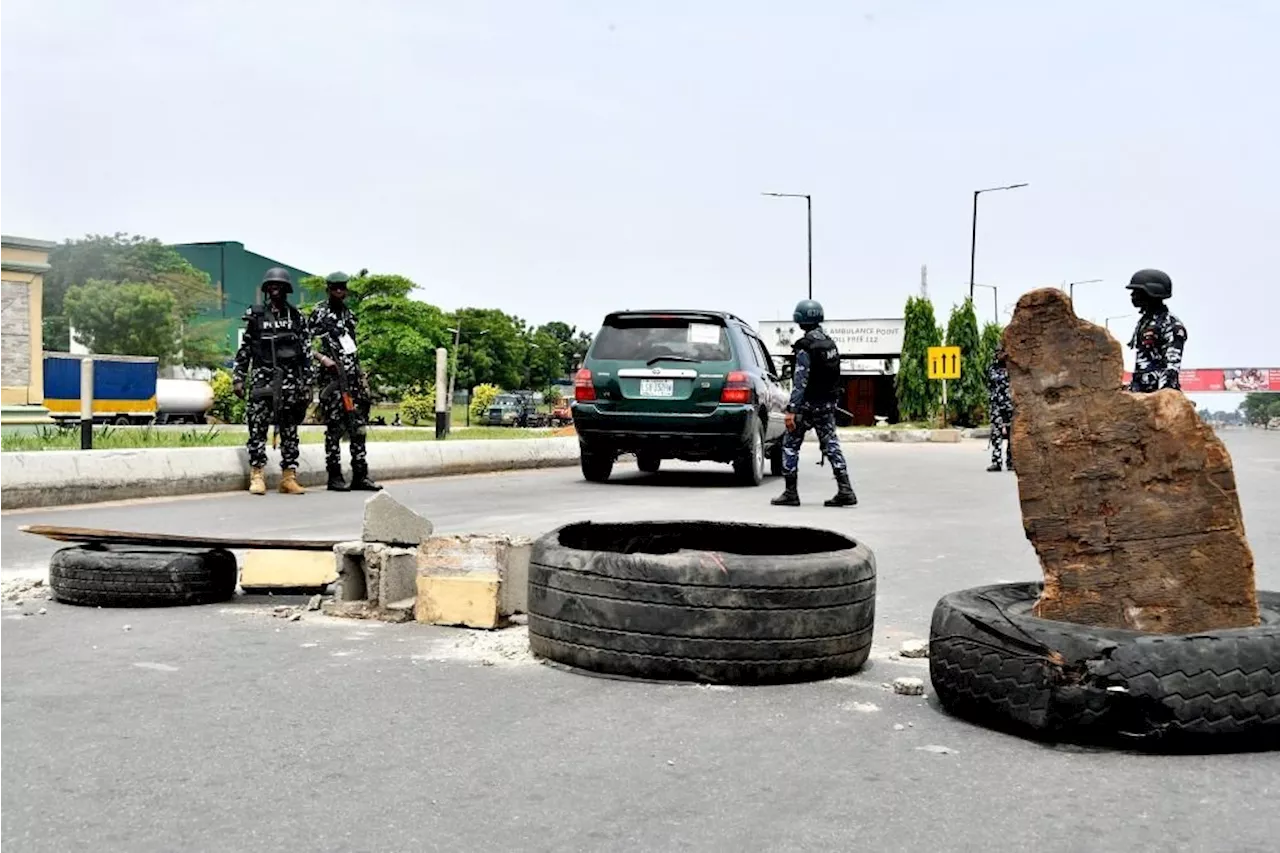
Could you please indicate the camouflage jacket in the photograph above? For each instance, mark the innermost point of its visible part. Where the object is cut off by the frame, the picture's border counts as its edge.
(1157, 344)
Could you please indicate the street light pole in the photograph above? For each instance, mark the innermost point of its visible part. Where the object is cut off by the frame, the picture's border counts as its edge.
(808, 201)
(973, 236)
(1071, 289)
(995, 300)
(453, 372)
(1107, 322)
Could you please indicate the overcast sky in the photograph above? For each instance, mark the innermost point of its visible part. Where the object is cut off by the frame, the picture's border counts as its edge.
(559, 160)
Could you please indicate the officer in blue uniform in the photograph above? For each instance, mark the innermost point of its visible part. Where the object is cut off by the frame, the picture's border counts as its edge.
(1159, 337)
(815, 390)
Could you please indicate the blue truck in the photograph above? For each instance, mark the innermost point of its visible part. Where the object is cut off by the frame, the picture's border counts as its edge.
(124, 387)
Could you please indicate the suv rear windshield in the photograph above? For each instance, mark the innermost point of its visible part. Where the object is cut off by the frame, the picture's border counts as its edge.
(651, 338)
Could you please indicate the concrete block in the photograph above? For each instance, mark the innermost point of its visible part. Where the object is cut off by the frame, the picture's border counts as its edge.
(389, 521)
(468, 600)
(507, 557)
(287, 569)
(945, 436)
(396, 571)
(353, 584)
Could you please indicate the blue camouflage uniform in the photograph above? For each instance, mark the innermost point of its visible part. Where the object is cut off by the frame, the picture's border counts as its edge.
(1000, 407)
(820, 414)
(1157, 344)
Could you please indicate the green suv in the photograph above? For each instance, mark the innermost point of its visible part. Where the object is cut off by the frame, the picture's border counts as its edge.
(690, 385)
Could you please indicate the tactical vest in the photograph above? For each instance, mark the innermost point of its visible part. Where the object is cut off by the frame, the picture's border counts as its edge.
(275, 339)
(823, 385)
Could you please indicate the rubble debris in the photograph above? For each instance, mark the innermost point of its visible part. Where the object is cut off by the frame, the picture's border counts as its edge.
(908, 686)
(1129, 499)
(936, 749)
(19, 590)
(915, 649)
(390, 522)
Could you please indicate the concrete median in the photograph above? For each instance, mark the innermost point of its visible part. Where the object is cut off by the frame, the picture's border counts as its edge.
(61, 477)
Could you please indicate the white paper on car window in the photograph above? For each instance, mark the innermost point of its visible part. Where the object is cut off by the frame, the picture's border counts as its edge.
(704, 333)
(348, 346)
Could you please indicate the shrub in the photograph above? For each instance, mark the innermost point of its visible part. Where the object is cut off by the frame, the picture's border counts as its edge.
(227, 407)
(919, 397)
(967, 397)
(418, 406)
(482, 396)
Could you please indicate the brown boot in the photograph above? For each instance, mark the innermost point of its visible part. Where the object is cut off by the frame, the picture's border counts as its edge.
(257, 485)
(289, 483)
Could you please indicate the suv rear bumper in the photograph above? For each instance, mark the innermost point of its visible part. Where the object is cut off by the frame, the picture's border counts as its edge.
(719, 435)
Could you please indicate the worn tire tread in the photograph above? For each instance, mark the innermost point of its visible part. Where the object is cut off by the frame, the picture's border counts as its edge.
(141, 578)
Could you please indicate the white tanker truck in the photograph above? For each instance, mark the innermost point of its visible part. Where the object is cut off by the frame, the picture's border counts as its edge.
(183, 401)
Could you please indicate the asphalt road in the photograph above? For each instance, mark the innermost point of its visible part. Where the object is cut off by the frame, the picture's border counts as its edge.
(223, 728)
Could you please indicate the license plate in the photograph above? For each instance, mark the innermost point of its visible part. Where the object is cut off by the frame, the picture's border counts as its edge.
(657, 387)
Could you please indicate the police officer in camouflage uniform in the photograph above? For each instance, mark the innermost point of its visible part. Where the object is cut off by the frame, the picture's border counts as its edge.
(1159, 337)
(1000, 407)
(275, 338)
(333, 330)
(815, 389)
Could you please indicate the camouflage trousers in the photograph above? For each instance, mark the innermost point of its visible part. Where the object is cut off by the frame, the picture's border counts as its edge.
(336, 425)
(824, 424)
(258, 413)
(1001, 423)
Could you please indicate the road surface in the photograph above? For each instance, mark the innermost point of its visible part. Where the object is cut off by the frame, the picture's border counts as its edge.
(223, 728)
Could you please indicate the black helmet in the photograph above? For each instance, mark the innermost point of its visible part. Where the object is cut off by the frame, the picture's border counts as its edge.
(1154, 283)
(278, 275)
(808, 312)
(336, 278)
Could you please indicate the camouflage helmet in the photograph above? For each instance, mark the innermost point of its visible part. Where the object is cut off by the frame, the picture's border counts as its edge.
(808, 312)
(277, 275)
(1154, 283)
(334, 279)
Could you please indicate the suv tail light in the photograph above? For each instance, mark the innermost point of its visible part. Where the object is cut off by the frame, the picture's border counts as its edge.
(584, 388)
(737, 388)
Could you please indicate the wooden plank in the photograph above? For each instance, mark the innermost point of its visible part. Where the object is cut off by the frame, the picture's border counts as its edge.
(124, 537)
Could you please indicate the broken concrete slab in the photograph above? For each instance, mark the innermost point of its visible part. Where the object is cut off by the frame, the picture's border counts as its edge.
(506, 557)
(374, 578)
(1129, 499)
(469, 600)
(388, 521)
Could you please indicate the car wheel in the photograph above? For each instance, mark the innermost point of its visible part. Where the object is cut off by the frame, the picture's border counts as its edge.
(597, 465)
(749, 467)
(648, 462)
(702, 601)
(992, 662)
(775, 458)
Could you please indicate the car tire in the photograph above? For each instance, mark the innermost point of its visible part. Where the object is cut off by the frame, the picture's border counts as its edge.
(670, 601)
(994, 663)
(99, 577)
(648, 462)
(597, 465)
(775, 459)
(749, 466)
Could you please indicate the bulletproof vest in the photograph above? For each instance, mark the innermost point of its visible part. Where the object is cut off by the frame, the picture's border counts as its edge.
(277, 338)
(824, 367)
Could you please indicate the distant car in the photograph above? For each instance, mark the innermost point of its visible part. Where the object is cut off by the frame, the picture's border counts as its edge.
(688, 385)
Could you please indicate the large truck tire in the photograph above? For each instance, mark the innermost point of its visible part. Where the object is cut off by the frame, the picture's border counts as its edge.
(702, 601)
(98, 577)
(994, 663)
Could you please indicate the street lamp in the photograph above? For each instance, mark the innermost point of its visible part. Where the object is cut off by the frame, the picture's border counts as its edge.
(1071, 289)
(973, 239)
(1107, 322)
(995, 300)
(808, 200)
(453, 374)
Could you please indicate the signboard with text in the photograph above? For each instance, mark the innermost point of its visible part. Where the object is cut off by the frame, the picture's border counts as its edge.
(857, 338)
(1230, 380)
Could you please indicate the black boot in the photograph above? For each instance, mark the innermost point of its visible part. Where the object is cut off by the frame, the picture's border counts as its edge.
(844, 495)
(993, 467)
(336, 483)
(789, 496)
(360, 481)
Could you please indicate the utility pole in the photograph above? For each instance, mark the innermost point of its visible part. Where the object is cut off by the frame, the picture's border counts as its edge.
(973, 237)
(808, 199)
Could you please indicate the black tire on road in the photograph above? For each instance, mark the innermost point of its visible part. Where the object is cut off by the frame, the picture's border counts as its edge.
(141, 578)
(994, 663)
(596, 464)
(749, 466)
(648, 462)
(680, 601)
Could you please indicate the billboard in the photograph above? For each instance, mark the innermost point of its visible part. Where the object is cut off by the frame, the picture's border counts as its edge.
(855, 338)
(1230, 380)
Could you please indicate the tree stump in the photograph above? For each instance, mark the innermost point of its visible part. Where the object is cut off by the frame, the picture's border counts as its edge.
(1129, 499)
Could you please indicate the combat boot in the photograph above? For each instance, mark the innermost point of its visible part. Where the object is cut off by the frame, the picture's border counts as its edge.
(993, 467)
(289, 484)
(789, 496)
(257, 485)
(844, 495)
(360, 481)
(336, 483)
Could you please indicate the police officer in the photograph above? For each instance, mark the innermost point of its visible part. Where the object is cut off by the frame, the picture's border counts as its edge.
(333, 330)
(1159, 337)
(815, 389)
(1000, 407)
(275, 338)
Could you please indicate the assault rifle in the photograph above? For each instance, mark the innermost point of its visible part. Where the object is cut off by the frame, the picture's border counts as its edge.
(343, 384)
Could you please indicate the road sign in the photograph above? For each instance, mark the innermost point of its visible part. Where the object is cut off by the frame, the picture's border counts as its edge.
(944, 362)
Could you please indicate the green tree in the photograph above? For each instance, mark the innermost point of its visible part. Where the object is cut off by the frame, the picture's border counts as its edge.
(572, 344)
(918, 396)
(1260, 406)
(127, 318)
(991, 339)
(966, 397)
(493, 349)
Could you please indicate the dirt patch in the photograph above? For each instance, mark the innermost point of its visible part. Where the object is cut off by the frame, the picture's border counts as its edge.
(725, 538)
(508, 647)
(23, 589)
